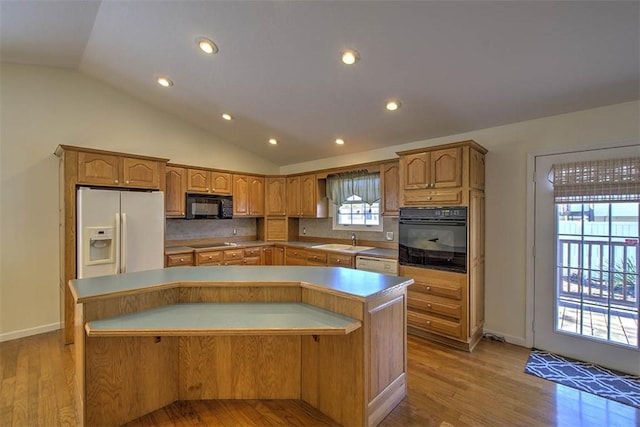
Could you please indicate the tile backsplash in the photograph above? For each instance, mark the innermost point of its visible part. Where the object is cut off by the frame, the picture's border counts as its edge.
(184, 229)
(324, 228)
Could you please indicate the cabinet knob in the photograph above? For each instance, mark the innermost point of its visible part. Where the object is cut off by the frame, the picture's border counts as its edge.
(339, 261)
(429, 198)
(428, 288)
(428, 322)
(181, 213)
(116, 181)
(210, 256)
(126, 182)
(428, 305)
(207, 188)
(181, 259)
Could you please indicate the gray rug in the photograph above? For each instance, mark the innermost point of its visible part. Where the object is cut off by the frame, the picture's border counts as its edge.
(587, 377)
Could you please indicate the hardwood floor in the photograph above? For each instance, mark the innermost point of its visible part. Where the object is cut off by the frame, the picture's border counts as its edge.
(446, 388)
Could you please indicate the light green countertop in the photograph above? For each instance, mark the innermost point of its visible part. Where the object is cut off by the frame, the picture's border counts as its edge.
(250, 318)
(357, 283)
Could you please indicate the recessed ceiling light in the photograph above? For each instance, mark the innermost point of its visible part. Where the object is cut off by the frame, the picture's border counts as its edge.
(226, 116)
(340, 141)
(165, 82)
(273, 141)
(393, 105)
(350, 56)
(207, 46)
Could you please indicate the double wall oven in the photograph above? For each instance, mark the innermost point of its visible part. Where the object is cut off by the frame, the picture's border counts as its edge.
(434, 238)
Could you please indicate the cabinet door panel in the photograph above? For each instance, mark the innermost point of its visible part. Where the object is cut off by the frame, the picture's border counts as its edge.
(446, 167)
(140, 173)
(417, 171)
(240, 195)
(98, 169)
(293, 196)
(221, 183)
(308, 190)
(198, 180)
(390, 188)
(276, 197)
(175, 192)
(256, 196)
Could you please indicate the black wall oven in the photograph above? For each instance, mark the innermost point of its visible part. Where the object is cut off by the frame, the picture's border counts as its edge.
(434, 238)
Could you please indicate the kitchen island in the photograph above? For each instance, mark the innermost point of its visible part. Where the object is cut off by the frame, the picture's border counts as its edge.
(333, 337)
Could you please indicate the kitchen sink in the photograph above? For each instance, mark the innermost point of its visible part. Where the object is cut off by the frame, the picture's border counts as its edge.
(341, 247)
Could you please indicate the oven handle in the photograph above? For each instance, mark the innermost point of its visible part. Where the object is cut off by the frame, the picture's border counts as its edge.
(432, 222)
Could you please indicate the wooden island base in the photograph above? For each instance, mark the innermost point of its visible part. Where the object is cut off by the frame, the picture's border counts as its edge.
(343, 354)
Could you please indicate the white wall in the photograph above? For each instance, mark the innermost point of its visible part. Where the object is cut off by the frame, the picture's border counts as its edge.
(44, 107)
(41, 108)
(506, 190)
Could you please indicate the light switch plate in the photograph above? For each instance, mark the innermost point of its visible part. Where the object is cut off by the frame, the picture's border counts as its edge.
(389, 235)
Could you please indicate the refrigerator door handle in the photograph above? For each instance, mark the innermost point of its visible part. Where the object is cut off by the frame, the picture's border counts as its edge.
(123, 258)
(117, 243)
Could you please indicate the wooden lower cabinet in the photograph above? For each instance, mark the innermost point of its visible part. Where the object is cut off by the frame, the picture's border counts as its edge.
(440, 306)
(295, 256)
(340, 260)
(179, 260)
(209, 258)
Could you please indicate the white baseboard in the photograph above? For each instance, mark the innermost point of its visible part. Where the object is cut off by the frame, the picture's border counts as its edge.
(28, 332)
(508, 338)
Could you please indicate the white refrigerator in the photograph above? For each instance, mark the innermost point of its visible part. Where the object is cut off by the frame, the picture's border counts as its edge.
(119, 231)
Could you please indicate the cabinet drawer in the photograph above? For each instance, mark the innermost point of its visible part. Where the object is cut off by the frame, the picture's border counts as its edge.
(233, 254)
(338, 260)
(179, 259)
(437, 289)
(254, 260)
(296, 253)
(252, 252)
(209, 258)
(317, 258)
(450, 328)
(428, 197)
(433, 304)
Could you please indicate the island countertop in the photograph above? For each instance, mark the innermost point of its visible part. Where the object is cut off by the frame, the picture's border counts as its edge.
(356, 283)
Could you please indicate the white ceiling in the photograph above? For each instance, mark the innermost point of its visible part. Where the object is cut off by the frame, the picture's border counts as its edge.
(456, 66)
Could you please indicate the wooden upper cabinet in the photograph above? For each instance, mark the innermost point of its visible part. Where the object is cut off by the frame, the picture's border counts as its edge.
(140, 173)
(240, 195)
(275, 203)
(446, 168)
(248, 195)
(102, 169)
(115, 170)
(175, 194)
(206, 181)
(308, 195)
(476, 172)
(433, 169)
(256, 196)
(221, 182)
(293, 196)
(390, 185)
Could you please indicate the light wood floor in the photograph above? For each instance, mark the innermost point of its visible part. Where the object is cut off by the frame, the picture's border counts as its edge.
(446, 387)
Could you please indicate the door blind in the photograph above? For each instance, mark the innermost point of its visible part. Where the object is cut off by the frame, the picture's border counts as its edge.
(614, 180)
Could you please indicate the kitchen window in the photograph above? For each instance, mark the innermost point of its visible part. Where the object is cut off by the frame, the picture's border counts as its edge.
(356, 200)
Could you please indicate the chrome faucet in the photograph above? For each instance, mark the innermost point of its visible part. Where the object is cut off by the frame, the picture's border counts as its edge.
(353, 239)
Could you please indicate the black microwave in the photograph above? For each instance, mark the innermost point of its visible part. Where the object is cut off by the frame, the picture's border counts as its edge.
(203, 206)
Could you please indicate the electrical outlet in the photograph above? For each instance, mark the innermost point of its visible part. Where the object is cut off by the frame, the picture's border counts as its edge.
(235, 231)
(304, 230)
(389, 235)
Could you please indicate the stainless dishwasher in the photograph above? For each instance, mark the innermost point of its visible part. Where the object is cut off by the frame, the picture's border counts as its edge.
(377, 265)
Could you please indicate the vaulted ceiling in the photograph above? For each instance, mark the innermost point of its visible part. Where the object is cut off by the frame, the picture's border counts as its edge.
(455, 66)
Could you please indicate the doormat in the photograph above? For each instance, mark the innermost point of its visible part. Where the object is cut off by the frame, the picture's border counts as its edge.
(594, 379)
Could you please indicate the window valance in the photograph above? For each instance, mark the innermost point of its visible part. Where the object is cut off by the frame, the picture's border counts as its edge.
(363, 184)
(614, 180)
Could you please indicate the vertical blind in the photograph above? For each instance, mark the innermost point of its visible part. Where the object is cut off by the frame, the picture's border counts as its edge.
(614, 180)
(363, 184)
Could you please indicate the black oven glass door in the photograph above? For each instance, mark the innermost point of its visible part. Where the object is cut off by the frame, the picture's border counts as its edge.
(432, 243)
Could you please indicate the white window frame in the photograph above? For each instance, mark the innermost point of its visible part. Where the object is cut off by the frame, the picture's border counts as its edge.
(355, 227)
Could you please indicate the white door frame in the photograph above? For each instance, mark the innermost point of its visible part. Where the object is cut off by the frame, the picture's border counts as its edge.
(530, 220)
